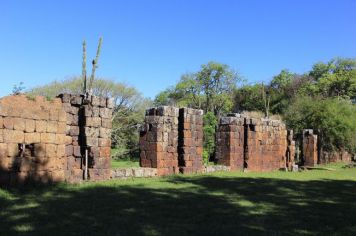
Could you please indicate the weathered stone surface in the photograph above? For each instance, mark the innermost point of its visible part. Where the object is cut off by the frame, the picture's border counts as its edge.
(44, 140)
(310, 151)
(124, 173)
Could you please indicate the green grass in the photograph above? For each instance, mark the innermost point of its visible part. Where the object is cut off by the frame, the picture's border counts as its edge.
(317, 202)
(123, 163)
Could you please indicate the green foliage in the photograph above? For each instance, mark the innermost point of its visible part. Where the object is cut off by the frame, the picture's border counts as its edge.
(333, 119)
(249, 98)
(210, 89)
(337, 78)
(210, 123)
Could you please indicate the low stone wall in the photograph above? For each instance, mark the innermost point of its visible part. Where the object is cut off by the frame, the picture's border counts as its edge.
(139, 172)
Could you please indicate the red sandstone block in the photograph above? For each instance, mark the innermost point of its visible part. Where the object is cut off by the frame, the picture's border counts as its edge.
(30, 126)
(1, 122)
(76, 151)
(51, 150)
(19, 124)
(187, 134)
(105, 151)
(106, 123)
(13, 136)
(8, 123)
(32, 138)
(48, 138)
(104, 142)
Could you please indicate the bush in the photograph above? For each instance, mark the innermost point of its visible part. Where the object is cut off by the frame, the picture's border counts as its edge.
(333, 120)
(210, 123)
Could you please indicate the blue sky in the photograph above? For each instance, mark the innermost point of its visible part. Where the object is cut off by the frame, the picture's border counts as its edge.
(149, 44)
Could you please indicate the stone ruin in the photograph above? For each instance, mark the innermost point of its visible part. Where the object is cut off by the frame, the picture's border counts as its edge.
(312, 155)
(172, 140)
(46, 141)
(310, 149)
(245, 143)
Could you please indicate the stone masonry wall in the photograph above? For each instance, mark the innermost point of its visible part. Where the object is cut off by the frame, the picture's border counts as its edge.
(190, 141)
(159, 140)
(89, 128)
(230, 142)
(32, 140)
(172, 140)
(310, 150)
(266, 145)
(252, 144)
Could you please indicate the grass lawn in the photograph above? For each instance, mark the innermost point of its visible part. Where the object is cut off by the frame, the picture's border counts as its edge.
(314, 202)
(124, 163)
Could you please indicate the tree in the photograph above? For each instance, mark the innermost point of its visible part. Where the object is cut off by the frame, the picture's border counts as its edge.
(210, 89)
(337, 78)
(333, 119)
(210, 123)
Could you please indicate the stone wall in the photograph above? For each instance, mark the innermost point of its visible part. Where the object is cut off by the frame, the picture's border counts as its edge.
(266, 144)
(190, 141)
(172, 140)
(45, 141)
(252, 144)
(230, 142)
(89, 127)
(32, 140)
(159, 140)
(310, 150)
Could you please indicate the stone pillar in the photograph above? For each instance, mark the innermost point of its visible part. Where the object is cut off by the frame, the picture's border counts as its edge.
(88, 128)
(310, 150)
(159, 140)
(230, 142)
(190, 141)
(290, 151)
(96, 132)
(71, 104)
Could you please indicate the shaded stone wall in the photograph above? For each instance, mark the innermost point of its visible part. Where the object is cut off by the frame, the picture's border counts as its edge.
(45, 141)
(230, 142)
(172, 140)
(159, 140)
(32, 140)
(190, 141)
(336, 156)
(310, 150)
(252, 144)
(290, 161)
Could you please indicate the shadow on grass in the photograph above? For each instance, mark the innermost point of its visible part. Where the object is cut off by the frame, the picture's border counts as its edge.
(204, 205)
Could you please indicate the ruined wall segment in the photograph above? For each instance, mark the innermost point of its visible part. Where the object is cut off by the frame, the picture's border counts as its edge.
(310, 150)
(88, 128)
(252, 144)
(290, 161)
(230, 142)
(190, 141)
(32, 140)
(159, 140)
(266, 144)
